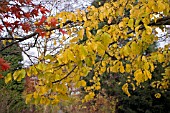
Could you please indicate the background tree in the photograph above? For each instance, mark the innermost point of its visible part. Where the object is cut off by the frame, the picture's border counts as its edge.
(11, 94)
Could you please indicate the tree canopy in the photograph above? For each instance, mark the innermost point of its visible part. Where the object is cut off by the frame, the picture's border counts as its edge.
(111, 38)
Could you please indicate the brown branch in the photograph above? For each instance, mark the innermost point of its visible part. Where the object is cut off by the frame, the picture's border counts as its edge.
(65, 76)
(112, 57)
(22, 39)
(31, 35)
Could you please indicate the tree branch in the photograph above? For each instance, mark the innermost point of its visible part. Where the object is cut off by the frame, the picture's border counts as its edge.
(30, 36)
(65, 76)
(161, 21)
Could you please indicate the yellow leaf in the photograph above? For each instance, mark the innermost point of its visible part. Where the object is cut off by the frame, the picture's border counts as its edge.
(129, 6)
(82, 52)
(91, 94)
(133, 86)
(139, 76)
(122, 70)
(148, 74)
(43, 100)
(146, 65)
(148, 29)
(81, 33)
(55, 101)
(70, 55)
(83, 83)
(126, 50)
(137, 28)
(158, 95)
(114, 68)
(131, 23)
(125, 89)
(101, 17)
(43, 89)
(21, 74)
(41, 66)
(160, 58)
(135, 49)
(4, 42)
(97, 87)
(144, 58)
(16, 74)
(100, 48)
(8, 78)
(151, 66)
(28, 98)
(106, 39)
(128, 68)
(35, 95)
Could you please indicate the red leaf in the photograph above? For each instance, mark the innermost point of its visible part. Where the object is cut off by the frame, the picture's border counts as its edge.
(62, 31)
(42, 20)
(14, 9)
(7, 24)
(34, 12)
(26, 27)
(18, 14)
(1, 27)
(27, 14)
(5, 66)
(43, 10)
(40, 32)
(53, 21)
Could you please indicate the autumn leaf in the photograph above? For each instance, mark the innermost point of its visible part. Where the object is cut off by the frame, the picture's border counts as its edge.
(4, 65)
(40, 32)
(26, 27)
(8, 78)
(27, 15)
(1, 76)
(52, 21)
(125, 89)
(43, 10)
(42, 20)
(62, 31)
(34, 12)
(1, 27)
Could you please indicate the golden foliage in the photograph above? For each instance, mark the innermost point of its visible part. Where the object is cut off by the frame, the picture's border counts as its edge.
(108, 45)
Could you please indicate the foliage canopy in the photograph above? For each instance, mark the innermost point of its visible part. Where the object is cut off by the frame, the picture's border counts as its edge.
(117, 46)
